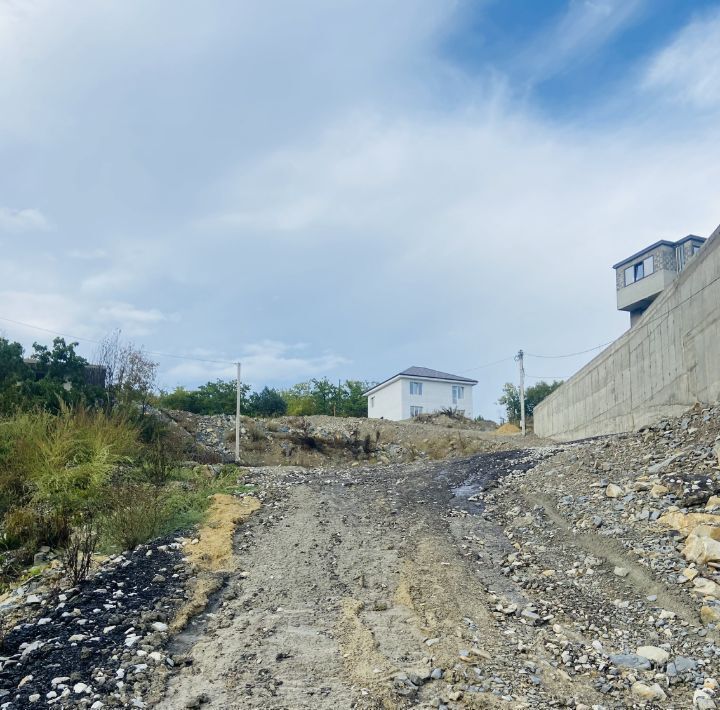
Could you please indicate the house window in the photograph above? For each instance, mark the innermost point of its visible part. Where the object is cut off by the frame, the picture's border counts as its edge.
(696, 249)
(640, 270)
(414, 411)
(372, 401)
(458, 392)
(415, 387)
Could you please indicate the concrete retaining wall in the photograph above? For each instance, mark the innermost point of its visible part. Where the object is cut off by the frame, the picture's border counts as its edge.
(666, 363)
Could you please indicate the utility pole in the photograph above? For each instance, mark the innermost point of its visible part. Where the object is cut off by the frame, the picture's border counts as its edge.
(237, 418)
(521, 366)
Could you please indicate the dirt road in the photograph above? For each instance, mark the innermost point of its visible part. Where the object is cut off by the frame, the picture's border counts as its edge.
(389, 587)
(366, 589)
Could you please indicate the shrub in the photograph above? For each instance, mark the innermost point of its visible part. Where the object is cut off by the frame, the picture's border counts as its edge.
(77, 556)
(137, 515)
(54, 469)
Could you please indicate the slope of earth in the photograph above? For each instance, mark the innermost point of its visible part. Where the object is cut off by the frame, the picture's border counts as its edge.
(317, 441)
(618, 539)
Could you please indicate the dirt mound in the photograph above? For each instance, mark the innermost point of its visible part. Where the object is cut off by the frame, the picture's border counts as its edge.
(322, 440)
(508, 428)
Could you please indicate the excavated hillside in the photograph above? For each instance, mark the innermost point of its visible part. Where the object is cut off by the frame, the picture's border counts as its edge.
(526, 575)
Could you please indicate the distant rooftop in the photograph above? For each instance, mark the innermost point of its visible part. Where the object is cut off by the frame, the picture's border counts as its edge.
(662, 242)
(424, 373)
(416, 371)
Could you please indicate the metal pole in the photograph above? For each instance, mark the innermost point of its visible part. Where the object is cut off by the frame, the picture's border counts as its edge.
(519, 358)
(237, 418)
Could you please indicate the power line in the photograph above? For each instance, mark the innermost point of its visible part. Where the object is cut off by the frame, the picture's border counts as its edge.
(658, 316)
(97, 342)
(581, 352)
(488, 364)
(548, 377)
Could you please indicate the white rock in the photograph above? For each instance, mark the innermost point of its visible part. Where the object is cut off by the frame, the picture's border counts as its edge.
(159, 626)
(706, 587)
(657, 655)
(702, 701)
(613, 491)
(80, 688)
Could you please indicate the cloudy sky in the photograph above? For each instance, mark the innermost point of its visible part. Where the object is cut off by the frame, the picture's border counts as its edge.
(345, 188)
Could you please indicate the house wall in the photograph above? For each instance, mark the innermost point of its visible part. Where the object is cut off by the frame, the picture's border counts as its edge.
(394, 400)
(436, 395)
(668, 361)
(388, 402)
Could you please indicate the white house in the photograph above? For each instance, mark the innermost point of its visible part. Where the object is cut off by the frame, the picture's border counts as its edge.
(419, 390)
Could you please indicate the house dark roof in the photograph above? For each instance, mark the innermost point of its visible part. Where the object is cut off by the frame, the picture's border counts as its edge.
(416, 371)
(424, 373)
(662, 242)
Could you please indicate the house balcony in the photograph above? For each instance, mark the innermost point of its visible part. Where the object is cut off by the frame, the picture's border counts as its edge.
(639, 295)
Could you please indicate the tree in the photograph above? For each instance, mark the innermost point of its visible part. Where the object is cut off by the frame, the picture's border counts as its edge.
(129, 372)
(354, 402)
(510, 398)
(267, 403)
(299, 400)
(13, 372)
(217, 397)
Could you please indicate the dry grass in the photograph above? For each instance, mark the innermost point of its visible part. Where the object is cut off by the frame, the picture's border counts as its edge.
(213, 555)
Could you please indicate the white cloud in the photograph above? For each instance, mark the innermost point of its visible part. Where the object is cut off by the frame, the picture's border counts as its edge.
(62, 313)
(262, 362)
(688, 69)
(585, 27)
(271, 172)
(22, 220)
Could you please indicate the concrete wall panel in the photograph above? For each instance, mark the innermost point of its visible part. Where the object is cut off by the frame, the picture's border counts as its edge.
(662, 366)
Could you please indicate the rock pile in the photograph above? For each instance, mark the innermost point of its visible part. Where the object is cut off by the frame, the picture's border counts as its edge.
(100, 645)
(322, 440)
(631, 593)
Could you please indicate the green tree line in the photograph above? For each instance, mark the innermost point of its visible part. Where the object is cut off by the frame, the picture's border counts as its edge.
(318, 396)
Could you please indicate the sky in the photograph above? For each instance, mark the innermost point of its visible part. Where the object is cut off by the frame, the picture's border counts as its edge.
(346, 188)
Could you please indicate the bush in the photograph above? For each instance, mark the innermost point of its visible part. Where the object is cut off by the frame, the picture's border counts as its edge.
(138, 515)
(54, 469)
(78, 555)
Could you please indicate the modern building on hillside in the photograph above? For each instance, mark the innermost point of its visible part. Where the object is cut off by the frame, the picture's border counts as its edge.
(419, 390)
(642, 276)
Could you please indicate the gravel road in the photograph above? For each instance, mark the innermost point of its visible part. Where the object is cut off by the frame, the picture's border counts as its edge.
(481, 582)
(366, 589)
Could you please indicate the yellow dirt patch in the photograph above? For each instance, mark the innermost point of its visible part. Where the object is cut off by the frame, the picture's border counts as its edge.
(507, 428)
(403, 596)
(360, 652)
(213, 554)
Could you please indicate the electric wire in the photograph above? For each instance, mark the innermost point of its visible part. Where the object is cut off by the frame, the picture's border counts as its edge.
(97, 342)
